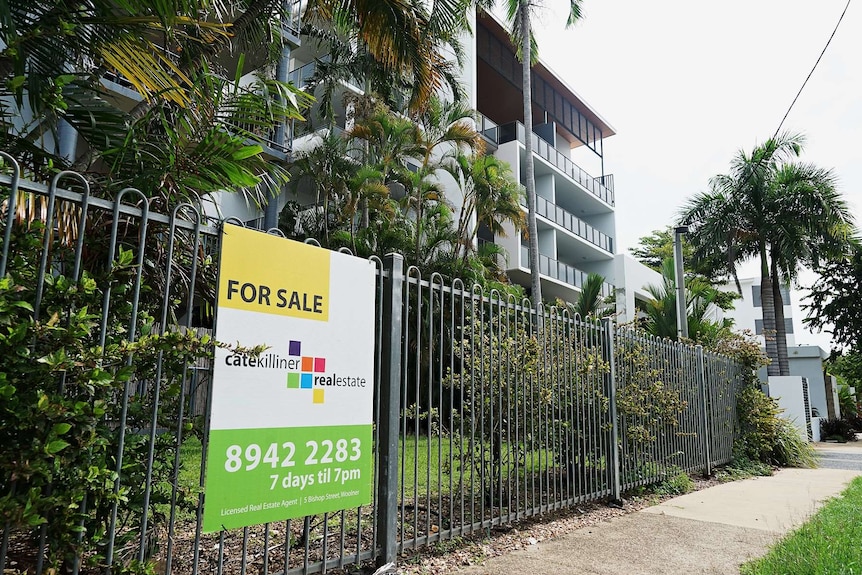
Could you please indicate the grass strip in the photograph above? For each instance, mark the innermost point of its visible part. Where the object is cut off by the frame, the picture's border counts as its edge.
(827, 544)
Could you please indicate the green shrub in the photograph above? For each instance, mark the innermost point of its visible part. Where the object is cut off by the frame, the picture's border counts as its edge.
(62, 409)
(758, 417)
(847, 402)
(855, 423)
(767, 437)
(677, 484)
(791, 449)
(741, 467)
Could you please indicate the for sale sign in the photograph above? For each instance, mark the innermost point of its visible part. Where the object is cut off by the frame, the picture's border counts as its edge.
(290, 429)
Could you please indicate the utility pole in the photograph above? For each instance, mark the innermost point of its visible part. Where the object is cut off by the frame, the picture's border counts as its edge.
(681, 316)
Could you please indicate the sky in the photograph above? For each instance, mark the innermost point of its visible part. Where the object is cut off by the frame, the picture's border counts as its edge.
(688, 83)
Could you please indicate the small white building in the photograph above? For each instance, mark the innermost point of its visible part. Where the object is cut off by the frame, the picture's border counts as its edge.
(632, 278)
(747, 312)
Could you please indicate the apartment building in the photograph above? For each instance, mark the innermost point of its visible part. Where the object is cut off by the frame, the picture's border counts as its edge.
(576, 222)
(575, 209)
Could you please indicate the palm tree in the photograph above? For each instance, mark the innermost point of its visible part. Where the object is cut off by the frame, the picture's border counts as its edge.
(327, 170)
(701, 300)
(491, 197)
(590, 303)
(200, 130)
(405, 37)
(349, 61)
(444, 130)
(215, 144)
(519, 14)
(55, 52)
(784, 213)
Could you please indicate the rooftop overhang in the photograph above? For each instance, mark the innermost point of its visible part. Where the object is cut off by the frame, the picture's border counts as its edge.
(504, 96)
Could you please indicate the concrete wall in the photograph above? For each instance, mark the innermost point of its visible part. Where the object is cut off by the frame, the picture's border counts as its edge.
(807, 361)
(788, 391)
(631, 278)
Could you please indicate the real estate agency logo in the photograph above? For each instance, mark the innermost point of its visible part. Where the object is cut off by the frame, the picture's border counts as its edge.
(307, 367)
(304, 372)
(309, 372)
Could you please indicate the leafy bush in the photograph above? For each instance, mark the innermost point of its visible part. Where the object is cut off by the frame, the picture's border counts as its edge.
(855, 423)
(847, 402)
(791, 449)
(70, 411)
(514, 355)
(679, 483)
(767, 437)
(840, 429)
(741, 467)
(758, 417)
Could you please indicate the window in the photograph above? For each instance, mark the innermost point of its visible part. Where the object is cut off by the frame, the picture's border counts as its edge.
(755, 295)
(788, 326)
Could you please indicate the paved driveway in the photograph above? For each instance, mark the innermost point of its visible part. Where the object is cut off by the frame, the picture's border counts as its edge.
(840, 455)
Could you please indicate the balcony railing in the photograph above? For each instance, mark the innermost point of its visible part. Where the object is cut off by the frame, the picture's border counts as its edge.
(561, 271)
(515, 130)
(301, 76)
(292, 22)
(267, 137)
(488, 129)
(572, 223)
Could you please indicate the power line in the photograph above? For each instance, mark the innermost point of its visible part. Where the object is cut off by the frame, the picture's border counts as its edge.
(829, 41)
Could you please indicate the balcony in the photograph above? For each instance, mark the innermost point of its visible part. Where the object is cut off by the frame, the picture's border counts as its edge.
(301, 76)
(561, 271)
(291, 23)
(259, 134)
(488, 130)
(572, 223)
(516, 131)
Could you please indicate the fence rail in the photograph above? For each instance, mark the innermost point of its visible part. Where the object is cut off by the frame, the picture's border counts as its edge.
(486, 411)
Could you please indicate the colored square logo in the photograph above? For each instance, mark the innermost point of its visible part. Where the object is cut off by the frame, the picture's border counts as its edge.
(317, 396)
(319, 364)
(294, 348)
(307, 364)
(307, 381)
(293, 381)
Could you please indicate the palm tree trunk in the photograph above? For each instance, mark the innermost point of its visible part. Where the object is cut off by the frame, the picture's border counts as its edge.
(780, 327)
(532, 225)
(768, 306)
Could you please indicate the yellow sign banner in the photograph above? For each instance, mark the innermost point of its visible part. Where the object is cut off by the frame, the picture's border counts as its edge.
(251, 280)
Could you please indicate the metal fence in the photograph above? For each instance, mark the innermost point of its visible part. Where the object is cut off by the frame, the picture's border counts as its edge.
(486, 412)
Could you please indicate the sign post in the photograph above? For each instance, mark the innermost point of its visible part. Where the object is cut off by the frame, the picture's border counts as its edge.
(290, 429)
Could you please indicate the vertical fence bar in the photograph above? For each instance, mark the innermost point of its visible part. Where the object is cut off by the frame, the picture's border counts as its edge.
(704, 418)
(612, 397)
(4, 258)
(390, 408)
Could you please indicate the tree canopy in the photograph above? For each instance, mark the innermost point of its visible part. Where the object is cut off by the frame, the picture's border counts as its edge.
(834, 303)
(657, 248)
(784, 213)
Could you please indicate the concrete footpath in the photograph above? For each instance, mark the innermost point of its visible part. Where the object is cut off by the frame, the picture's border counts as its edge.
(710, 531)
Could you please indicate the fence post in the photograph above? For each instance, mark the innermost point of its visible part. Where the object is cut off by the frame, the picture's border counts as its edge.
(390, 408)
(704, 419)
(616, 488)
